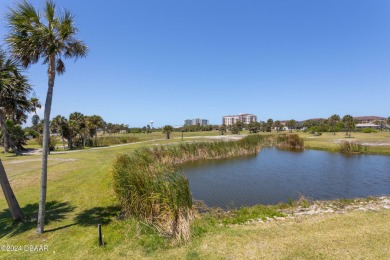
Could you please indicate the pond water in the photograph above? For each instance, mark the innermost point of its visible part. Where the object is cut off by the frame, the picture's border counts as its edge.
(276, 175)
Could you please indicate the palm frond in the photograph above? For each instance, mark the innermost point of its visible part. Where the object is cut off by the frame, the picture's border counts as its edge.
(31, 37)
(60, 67)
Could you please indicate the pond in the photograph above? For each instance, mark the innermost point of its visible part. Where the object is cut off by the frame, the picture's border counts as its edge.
(276, 175)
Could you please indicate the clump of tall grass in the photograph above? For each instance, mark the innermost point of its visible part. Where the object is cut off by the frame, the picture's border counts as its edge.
(352, 147)
(290, 140)
(149, 187)
(154, 193)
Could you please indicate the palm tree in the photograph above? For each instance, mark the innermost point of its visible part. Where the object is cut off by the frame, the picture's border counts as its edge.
(291, 124)
(333, 120)
(58, 124)
(94, 123)
(49, 35)
(349, 124)
(14, 104)
(270, 123)
(167, 130)
(35, 104)
(277, 125)
(222, 129)
(79, 125)
(13, 204)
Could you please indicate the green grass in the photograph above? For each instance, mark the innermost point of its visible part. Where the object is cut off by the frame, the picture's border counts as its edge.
(80, 196)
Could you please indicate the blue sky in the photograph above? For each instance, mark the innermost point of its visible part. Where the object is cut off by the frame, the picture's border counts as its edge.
(169, 61)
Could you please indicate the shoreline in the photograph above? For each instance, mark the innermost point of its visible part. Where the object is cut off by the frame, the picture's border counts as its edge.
(306, 208)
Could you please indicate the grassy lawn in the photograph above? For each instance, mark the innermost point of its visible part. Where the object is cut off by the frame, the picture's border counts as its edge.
(80, 197)
(378, 143)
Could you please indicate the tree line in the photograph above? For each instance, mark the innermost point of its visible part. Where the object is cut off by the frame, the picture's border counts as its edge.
(334, 124)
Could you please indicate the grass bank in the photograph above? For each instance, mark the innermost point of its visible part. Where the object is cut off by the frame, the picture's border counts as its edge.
(377, 143)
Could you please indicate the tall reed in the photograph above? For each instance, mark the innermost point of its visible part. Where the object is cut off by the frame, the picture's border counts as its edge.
(149, 187)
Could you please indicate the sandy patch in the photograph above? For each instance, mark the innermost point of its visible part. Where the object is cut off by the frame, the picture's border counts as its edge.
(373, 143)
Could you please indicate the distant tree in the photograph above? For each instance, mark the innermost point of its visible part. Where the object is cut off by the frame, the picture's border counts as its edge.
(254, 127)
(277, 125)
(80, 126)
(35, 121)
(388, 121)
(148, 129)
(333, 120)
(291, 124)
(235, 129)
(239, 125)
(58, 125)
(94, 123)
(222, 129)
(167, 130)
(35, 104)
(380, 123)
(349, 124)
(263, 126)
(270, 124)
(308, 123)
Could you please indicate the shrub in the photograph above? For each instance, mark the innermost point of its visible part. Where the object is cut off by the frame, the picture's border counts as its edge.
(369, 130)
(351, 147)
(290, 140)
(52, 142)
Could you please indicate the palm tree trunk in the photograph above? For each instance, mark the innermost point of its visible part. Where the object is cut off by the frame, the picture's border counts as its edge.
(8, 143)
(45, 151)
(63, 141)
(13, 204)
(5, 135)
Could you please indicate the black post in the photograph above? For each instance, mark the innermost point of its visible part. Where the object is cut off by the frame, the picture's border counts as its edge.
(101, 242)
(182, 135)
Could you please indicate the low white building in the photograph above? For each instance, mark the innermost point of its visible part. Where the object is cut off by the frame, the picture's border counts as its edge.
(368, 125)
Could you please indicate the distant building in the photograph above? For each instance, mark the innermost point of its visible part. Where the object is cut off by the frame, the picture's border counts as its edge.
(244, 118)
(368, 125)
(196, 121)
(368, 119)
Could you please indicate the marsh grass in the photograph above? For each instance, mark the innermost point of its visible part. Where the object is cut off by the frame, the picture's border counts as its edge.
(153, 193)
(352, 147)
